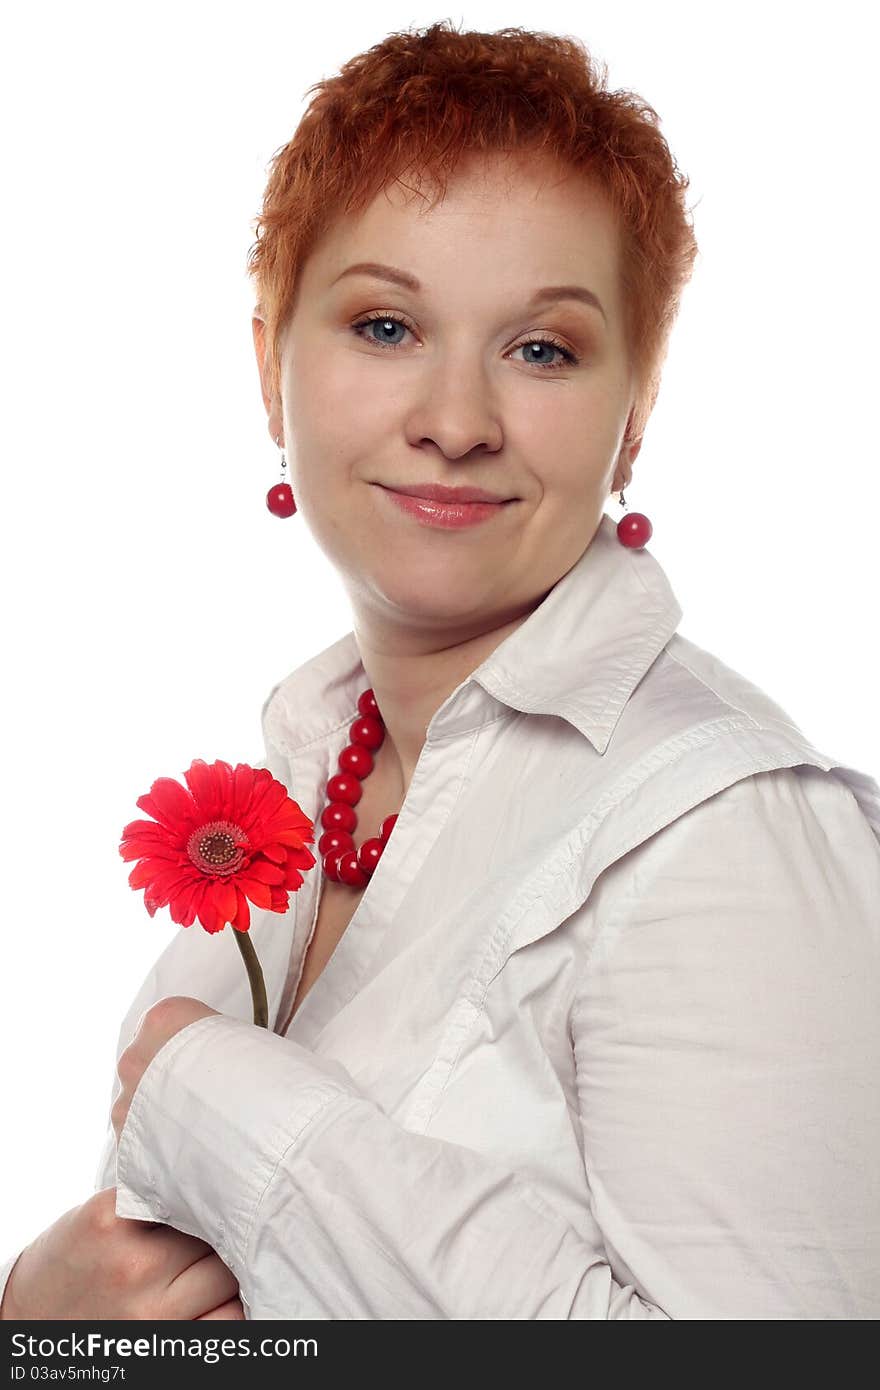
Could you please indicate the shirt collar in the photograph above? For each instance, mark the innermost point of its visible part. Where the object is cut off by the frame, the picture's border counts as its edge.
(579, 655)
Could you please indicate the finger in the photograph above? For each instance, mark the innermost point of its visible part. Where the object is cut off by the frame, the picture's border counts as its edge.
(204, 1285)
(229, 1312)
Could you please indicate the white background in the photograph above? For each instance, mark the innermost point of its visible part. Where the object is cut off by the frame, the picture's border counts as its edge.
(150, 599)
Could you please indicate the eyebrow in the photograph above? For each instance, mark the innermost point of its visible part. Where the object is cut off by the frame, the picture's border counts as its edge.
(550, 294)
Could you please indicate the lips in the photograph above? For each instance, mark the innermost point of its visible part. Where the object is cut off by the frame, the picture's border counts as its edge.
(439, 492)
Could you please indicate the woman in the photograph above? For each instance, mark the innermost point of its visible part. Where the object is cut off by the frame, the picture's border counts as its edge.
(598, 1036)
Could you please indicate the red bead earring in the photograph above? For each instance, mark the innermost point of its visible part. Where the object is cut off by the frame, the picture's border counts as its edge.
(634, 530)
(279, 499)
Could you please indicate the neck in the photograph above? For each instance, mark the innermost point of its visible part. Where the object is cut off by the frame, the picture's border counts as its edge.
(410, 684)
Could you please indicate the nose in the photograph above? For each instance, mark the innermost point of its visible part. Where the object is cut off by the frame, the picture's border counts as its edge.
(455, 409)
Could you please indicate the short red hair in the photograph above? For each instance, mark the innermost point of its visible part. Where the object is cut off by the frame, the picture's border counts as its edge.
(418, 101)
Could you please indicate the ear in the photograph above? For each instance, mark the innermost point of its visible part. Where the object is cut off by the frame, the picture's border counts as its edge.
(270, 400)
(633, 448)
(629, 452)
(258, 327)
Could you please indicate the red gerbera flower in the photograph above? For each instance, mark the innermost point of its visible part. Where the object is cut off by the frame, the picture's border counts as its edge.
(234, 835)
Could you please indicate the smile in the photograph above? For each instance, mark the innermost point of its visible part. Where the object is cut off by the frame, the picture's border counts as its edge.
(448, 515)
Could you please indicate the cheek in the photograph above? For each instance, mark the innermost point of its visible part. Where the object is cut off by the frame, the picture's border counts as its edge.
(569, 471)
(573, 451)
(339, 408)
(576, 416)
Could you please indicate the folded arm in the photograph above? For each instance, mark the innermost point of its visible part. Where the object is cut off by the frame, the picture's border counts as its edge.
(727, 1046)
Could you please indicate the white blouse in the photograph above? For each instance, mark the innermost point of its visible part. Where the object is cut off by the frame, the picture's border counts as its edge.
(602, 1038)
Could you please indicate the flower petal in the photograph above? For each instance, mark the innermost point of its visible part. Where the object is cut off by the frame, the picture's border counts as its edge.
(144, 829)
(293, 838)
(144, 849)
(268, 796)
(293, 878)
(170, 804)
(265, 872)
(210, 784)
(259, 893)
(172, 882)
(185, 904)
(224, 899)
(242, 919)
(301, 858)
(146, 871)
(277, 853)
(290, 815)
(242, 791)
(209, 919)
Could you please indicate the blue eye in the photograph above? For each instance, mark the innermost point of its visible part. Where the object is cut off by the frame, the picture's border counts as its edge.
(386, 320)
(569, 357)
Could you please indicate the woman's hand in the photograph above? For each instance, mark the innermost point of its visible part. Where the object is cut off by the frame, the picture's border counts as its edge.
(92, 1264)
(157, 1026)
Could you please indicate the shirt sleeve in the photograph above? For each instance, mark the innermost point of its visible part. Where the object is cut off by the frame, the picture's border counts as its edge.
(324, 1207)
(728, 1046)
(726, 1042)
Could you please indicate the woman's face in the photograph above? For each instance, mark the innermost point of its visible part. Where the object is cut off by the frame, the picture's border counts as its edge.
(458, 393)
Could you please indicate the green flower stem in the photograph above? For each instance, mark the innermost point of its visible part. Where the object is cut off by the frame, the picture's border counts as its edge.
(255, 975)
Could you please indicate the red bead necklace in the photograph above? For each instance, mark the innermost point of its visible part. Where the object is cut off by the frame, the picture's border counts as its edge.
(340, 860)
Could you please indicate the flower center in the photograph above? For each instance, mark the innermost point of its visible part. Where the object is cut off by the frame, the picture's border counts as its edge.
(218, 847)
